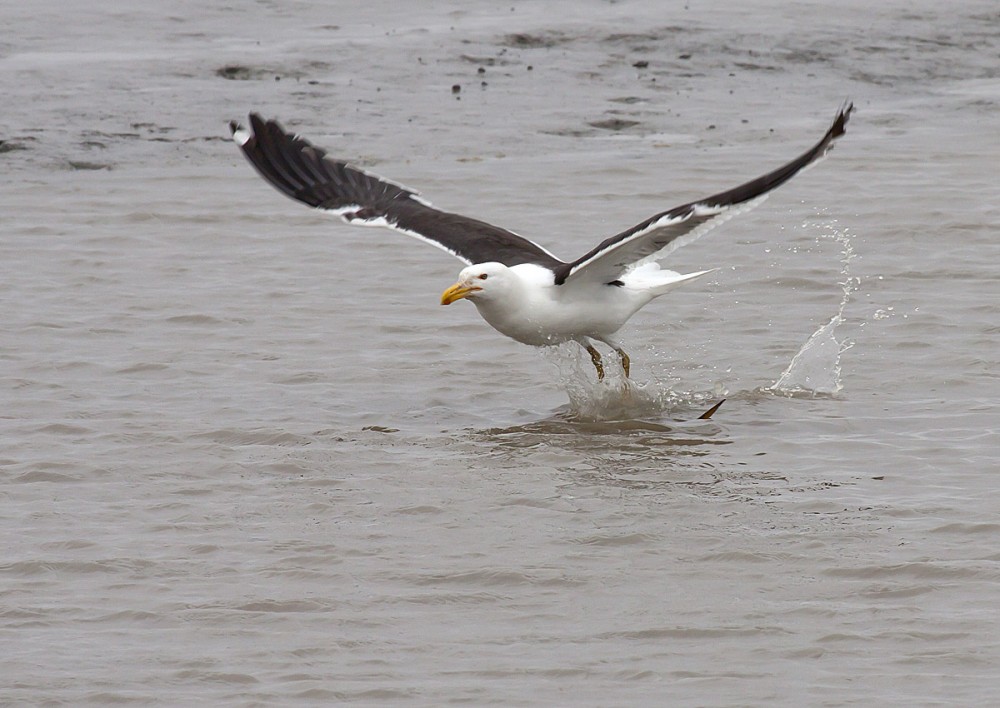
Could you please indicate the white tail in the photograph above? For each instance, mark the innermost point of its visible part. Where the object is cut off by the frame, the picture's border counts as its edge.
(651, 278)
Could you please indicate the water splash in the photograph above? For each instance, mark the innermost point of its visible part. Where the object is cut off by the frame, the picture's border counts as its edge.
(815, 369)
(616, 397)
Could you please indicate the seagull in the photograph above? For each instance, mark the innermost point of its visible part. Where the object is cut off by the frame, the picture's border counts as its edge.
(520, 288)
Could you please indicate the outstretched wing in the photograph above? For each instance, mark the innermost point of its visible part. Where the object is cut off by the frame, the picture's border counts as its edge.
(303, 171)
(669, 230)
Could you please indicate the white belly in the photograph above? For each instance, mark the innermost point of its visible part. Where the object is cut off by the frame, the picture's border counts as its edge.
(557, 315)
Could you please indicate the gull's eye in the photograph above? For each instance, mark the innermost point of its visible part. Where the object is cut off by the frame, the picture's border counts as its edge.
(483, 276)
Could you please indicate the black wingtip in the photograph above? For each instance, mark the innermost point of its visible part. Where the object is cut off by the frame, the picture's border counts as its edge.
(255, 126)
(836, 130)
(839, 126)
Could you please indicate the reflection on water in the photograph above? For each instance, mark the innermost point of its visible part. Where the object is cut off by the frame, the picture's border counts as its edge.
(652, 451)
(597, 434)
(646, 456)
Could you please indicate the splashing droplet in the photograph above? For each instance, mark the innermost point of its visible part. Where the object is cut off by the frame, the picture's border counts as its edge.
(815, 369)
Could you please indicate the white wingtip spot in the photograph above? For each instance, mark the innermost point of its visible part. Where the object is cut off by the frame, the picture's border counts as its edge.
(241, 135)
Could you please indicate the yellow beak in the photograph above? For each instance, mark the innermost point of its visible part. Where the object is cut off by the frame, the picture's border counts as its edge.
(457, 292)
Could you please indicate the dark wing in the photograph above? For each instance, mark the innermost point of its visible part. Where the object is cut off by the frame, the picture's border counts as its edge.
(669, 230)
(304, 172)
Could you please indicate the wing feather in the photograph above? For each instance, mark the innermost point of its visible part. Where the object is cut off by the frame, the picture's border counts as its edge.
(664, 232)
(304, 172)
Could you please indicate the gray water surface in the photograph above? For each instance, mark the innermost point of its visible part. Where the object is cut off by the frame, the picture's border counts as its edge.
(248, 460)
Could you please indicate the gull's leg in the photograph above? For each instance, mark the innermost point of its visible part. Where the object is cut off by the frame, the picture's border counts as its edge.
(625, 360)
(595, 356)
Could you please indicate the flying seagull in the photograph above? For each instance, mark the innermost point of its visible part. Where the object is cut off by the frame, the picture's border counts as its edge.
(519, 287)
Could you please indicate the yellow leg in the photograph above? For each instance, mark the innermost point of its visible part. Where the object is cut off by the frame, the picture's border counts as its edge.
(595, 356)
(625, 360)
